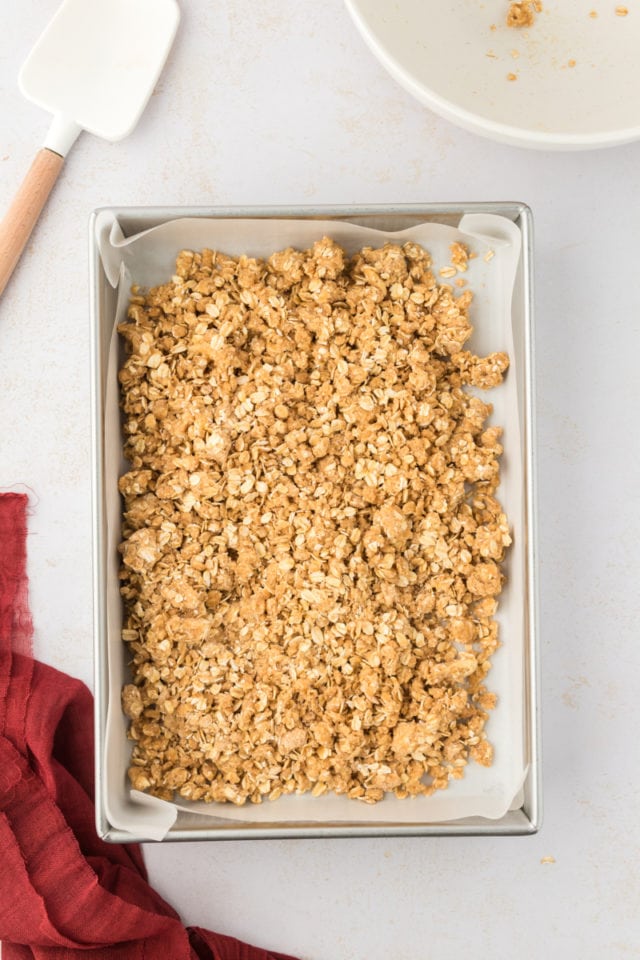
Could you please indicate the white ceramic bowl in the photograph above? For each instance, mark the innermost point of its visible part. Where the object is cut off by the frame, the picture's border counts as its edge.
(577, 76)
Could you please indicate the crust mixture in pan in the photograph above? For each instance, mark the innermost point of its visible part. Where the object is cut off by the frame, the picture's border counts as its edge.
(312, 543)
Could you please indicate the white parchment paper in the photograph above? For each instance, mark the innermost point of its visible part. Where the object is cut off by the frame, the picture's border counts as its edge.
(148, 259)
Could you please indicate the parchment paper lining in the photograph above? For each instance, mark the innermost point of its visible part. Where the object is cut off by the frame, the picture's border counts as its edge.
(148, 259)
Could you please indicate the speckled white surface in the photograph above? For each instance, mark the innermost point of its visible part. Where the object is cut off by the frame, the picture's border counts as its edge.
(286, 105)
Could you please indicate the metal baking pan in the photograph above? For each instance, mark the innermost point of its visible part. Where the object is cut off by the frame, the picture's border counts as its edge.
(526, 818)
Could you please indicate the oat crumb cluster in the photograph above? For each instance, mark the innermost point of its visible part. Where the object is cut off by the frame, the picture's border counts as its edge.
(523, 14)
(312, 541)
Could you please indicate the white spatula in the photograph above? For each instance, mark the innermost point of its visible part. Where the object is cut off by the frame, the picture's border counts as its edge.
(94, 69)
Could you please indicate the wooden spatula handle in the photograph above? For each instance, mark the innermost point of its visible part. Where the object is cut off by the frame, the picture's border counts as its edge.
(22, 215)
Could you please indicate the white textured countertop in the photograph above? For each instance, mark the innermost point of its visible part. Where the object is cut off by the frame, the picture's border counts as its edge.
(286, 105)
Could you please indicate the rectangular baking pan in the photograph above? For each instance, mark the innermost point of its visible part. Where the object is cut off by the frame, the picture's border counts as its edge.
(516, 822)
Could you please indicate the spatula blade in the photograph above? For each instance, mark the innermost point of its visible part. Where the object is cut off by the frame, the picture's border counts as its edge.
(97, 62)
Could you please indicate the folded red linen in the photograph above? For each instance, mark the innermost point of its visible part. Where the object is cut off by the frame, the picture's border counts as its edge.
(64, 893)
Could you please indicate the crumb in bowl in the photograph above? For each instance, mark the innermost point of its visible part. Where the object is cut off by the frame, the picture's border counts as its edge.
(312, 543)
(523, 14)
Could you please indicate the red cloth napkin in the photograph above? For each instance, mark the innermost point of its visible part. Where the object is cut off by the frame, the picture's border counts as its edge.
(64, 893)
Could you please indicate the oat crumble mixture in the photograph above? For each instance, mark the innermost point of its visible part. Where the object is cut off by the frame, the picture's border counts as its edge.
(312, 541)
